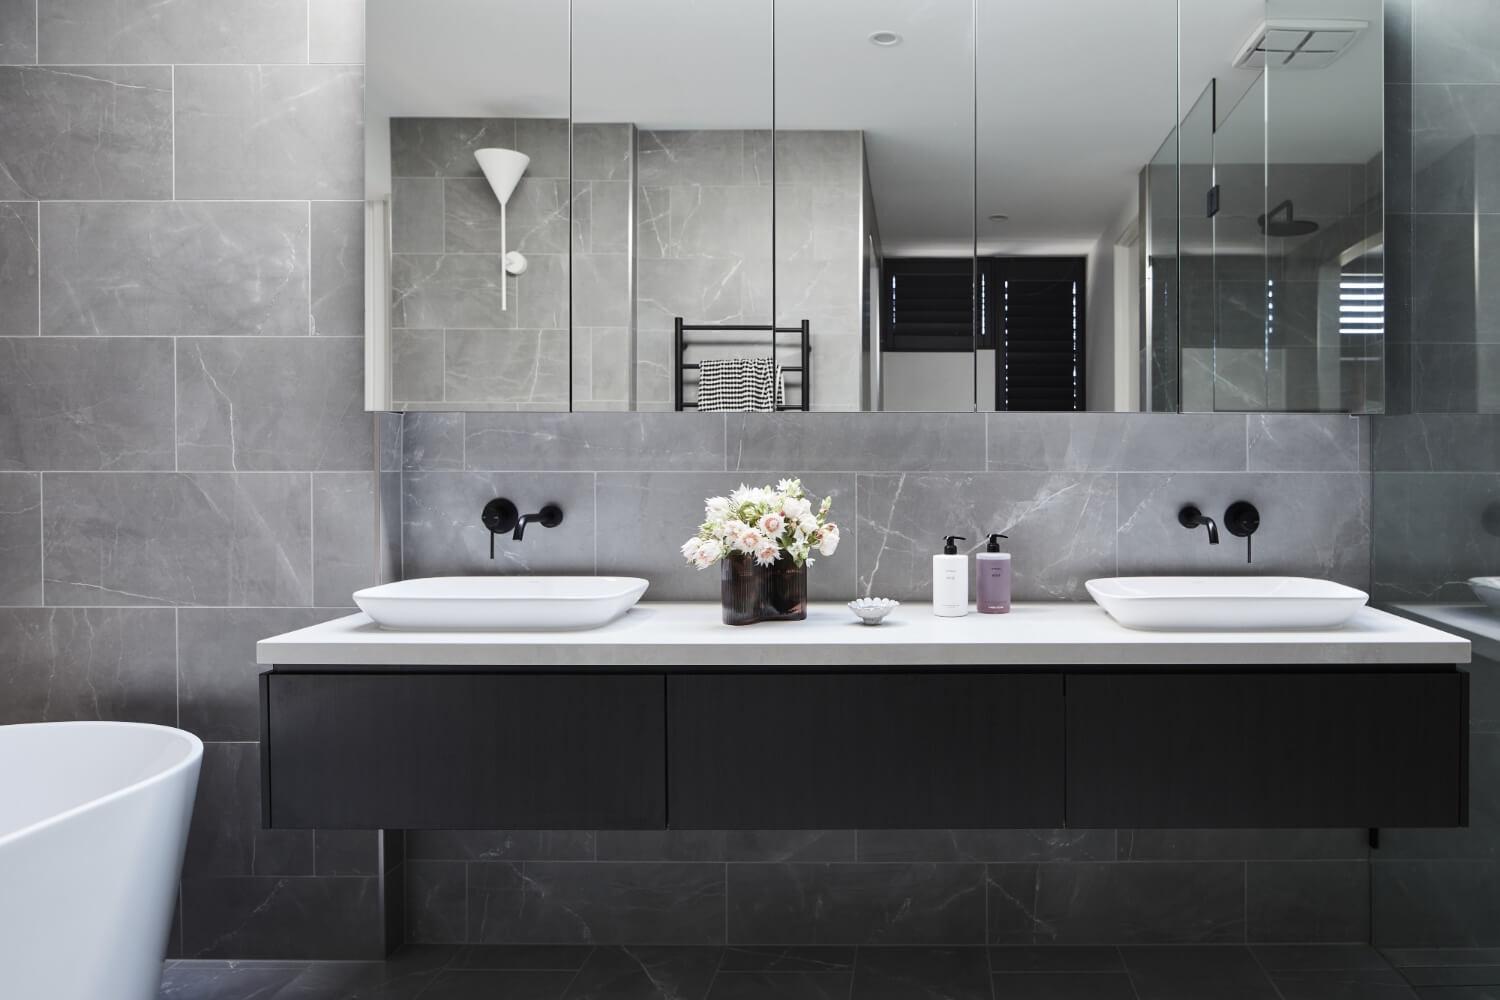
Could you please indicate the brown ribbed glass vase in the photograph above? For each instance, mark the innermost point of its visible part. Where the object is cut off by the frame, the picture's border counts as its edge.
(742, 590)
(786, 591)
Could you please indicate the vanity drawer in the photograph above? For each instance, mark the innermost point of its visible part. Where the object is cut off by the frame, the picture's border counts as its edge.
(463, 751)
(1288, 749)
(841, 751)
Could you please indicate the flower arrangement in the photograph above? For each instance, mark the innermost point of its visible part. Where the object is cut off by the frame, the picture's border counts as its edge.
(763, 524)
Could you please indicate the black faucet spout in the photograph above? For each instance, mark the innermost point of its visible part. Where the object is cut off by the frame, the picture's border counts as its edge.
(549, 516)
(1191, 517)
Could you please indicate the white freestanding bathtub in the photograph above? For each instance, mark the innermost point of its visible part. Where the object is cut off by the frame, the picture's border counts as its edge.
(93, 822)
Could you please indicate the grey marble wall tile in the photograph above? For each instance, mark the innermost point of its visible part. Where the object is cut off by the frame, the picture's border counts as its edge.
(1423, 904)
(1443, 292)
(388, 537)
(524, 367)
(500, 845)
(272, 405)
(432, 441)
(17, 31)
(602, 151)
(80, 403)
(545, 140)
(269, 132)
(20, 539)
(1312, 524)
(1055, 958)
(861, 904)
(139, 31)
(283, 918)
(86, 132)
(338, 268)
(345, 557)
(783, 846)
(1304, 442)
(347, 852)
(654, 972)
(1413, 562)
(1061, 528)
(1241, 845)
(660, 845)
(444, 147)
(690, 157)
(87, 663)
(388, 442)
(1437, 442)
(19, 247)
(226, 836)
(1103, 903)
(789, 958)
(850, 442)
(1111, 442)
(1480, 839)
(605, 903)
(207, 539)
(336, 30)
(435, 291)
(417, 365)
(442, 534)
(594, 441)
(1448, 44)
(645, 518)
(1456, 378)
(218, 678)
(543, 292)
(1307, 901)
(798, 985)
(436, 902)
(471, 215)
(609, 216)
(417, 214)
(1398, 41)
(951, 973)
(159, 269)
(986, 845)
(601, 291)
(722, 222)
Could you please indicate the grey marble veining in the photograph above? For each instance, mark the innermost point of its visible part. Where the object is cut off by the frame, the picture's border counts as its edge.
(219, 690)
(86, 132)
(19, 249)
(453, 291)
(87, 663)
(1061, 528)
(17, 31)
(173, 268)
(1451, 43)
(289, 917)
(592, 442)
(20, 539)
(343, 558)
(215, 539)
(141, 31)
(1112, 442)
(337, 263)
(257, 404)
(523, 367)
(1437, 442)
(85, 404)
(1433, 532)
(840, 442)
(269, 132)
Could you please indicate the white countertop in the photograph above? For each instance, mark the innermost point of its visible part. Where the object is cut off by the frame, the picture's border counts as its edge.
(1474, 622)
(691, 634)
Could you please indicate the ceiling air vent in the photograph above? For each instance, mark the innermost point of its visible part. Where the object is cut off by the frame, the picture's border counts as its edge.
(1298, 43)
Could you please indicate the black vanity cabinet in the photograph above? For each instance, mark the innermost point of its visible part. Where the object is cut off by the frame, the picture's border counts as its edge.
(864, 747)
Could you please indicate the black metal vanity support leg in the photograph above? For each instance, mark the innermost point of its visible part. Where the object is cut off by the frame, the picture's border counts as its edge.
(1374, 838)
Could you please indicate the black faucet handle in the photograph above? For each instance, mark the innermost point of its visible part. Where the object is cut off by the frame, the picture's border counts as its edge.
(499, 516)
(1242, 520)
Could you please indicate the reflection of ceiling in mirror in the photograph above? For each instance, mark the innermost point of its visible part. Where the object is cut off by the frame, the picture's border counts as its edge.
(1073, 97)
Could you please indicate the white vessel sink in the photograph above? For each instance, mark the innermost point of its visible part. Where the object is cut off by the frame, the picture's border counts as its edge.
(1226, 603)
(500, 603)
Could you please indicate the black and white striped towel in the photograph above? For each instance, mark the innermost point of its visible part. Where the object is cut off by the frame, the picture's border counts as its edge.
(753, 385)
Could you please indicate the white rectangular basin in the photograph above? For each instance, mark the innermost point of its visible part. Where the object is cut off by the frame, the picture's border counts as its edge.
(500, 603)
(1226, 603)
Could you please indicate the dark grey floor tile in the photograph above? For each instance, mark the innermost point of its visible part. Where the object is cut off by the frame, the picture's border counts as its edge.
(1403, 957)
(227, 981)
(922, 974)
(1196, 973)
(1063, 986)
(360, 981)
(1348, 985)
(1459, 993)
(492, 985)
(780, 986)
(1452, 975)
(533, 957)
(772, 958)
(650, 973)
(1318, 957)
(1055, 958)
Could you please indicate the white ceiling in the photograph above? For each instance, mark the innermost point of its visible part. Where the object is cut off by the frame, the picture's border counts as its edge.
(1073, 96)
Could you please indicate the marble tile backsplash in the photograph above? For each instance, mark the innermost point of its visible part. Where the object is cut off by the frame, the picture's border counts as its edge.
(1080, 495)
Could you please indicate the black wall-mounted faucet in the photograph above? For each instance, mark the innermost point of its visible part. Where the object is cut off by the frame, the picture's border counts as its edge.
(500, 516)
(1241, 520)
(1191, 517)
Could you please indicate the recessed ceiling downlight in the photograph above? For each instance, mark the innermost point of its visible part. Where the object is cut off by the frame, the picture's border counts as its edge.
(885, 39)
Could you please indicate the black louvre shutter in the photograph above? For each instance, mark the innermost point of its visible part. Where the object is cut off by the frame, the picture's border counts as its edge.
(1036, 307)
(928, 304)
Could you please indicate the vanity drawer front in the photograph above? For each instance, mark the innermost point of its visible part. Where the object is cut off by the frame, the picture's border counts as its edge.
(1268, 750)
(463, 751)
(894, 751)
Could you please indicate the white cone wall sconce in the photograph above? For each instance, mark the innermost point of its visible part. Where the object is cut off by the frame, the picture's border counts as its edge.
(503, 169)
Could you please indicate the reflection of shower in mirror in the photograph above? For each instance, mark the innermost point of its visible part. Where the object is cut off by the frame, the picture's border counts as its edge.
(503, 169)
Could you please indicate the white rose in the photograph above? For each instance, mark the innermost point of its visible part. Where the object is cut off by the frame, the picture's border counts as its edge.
(829, 543)
(796, 508)
(808, 525)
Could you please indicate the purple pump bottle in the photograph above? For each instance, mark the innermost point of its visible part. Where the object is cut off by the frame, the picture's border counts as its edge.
(993, 567)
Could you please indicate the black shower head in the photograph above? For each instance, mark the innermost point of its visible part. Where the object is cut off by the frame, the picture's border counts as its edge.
(1281, 221)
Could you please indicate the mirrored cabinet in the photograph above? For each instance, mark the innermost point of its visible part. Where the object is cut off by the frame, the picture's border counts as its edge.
(867, 205)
